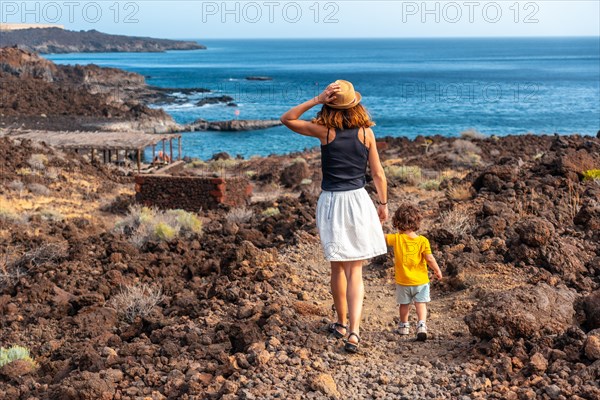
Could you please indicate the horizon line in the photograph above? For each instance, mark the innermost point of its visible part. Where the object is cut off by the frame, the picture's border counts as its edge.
(385, 37)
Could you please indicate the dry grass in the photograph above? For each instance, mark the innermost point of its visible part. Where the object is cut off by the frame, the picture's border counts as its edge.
(239, 215)
(457, 222)
(38, 189)
(460, 193)
(430, 184)
(410, 174)
(465, 153)
(136, 301)
(13, 268)
(472, 134)
(38, 162)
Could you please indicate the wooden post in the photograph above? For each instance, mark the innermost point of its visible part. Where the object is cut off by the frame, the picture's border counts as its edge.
(170, 150)
(93, 155)
(164, 148)
(139, 160)
(179, 148)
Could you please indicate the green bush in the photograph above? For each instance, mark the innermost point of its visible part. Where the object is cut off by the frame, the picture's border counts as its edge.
(143, 224)
(591, 175)
(188, 222)
(431, 184)
(162, 231)
(15, 353)
(269, 212)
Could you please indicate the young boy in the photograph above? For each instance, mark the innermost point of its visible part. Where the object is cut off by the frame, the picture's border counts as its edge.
(412, 253)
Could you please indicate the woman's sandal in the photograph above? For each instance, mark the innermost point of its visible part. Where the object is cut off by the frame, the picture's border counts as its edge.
(333, 329)
(352, 347)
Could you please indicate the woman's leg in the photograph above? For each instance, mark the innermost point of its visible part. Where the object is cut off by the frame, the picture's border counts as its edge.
(356, 293)
(338, 290)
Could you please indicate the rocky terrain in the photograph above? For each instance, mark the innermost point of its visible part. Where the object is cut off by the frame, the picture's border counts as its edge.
(56, 40)
(38, 94)
(242, 305)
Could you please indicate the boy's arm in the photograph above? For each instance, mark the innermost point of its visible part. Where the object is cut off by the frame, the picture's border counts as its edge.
(433, 264)
(389, 239)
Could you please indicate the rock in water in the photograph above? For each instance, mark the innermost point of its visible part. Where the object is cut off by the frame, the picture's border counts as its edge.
(523, 312)
(325, 384)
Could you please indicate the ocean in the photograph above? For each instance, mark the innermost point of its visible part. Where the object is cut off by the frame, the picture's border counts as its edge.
(411, 87)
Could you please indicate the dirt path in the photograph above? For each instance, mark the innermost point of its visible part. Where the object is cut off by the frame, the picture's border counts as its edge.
(390, 366)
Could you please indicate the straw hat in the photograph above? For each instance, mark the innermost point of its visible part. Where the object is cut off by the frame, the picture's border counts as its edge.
(346, 98)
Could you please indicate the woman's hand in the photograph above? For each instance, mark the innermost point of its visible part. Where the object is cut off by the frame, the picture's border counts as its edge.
(382, 211)
(328, 94)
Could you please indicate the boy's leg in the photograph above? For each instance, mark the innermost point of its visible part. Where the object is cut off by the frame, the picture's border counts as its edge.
(421, 311)
(338, 291)
(421, 300)
(404, 309)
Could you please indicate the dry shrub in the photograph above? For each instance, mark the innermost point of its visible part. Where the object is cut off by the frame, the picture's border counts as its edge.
(239, 215)
(37, 161)
(457, 222)
(12, 269)
(465, 153)
(144, 224)
(472, 134)
(430, 184)
(459, 193)
(38, 189)
(9, 216)
(17, 186)
(410, 174)
(136, 301)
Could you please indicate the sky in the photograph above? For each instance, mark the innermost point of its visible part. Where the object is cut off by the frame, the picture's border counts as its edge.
(314, 19)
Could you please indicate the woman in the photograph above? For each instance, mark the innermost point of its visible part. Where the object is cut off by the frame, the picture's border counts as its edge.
(348, 223)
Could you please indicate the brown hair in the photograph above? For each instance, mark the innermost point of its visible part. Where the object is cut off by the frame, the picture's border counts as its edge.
(407, 218)
(355, 117)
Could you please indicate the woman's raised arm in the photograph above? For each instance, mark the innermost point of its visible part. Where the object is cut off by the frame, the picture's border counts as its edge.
(292, 120)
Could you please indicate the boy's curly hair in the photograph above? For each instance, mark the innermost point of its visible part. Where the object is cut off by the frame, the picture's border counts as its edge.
(407, 218)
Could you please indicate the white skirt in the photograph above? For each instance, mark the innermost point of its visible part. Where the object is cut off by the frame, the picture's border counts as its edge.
(349, 226)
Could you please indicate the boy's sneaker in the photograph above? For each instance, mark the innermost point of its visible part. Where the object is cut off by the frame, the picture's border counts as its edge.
(422, 331)
(404, 328)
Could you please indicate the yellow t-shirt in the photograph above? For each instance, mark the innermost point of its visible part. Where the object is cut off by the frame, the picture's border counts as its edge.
(410, 265)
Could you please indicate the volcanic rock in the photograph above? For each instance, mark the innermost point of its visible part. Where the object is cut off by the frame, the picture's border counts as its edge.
(528, 312)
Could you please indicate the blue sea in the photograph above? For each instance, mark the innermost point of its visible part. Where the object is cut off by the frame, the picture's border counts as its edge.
(411, 87)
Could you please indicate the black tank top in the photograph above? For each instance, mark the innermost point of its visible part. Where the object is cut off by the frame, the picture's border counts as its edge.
(344, 161)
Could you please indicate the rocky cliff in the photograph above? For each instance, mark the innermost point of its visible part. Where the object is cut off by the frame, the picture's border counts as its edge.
(55, 40)
(36, 93)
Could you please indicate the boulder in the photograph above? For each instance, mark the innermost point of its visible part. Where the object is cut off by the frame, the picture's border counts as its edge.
(495, 177)
(588, 215)
(591, 309)
(571, 163)
(592, 345)
(293, 174)
(85, 386)
(325, 384)
(535, 232)
(523, 312)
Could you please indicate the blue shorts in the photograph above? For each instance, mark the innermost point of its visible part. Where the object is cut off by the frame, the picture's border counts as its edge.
(408, 294)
